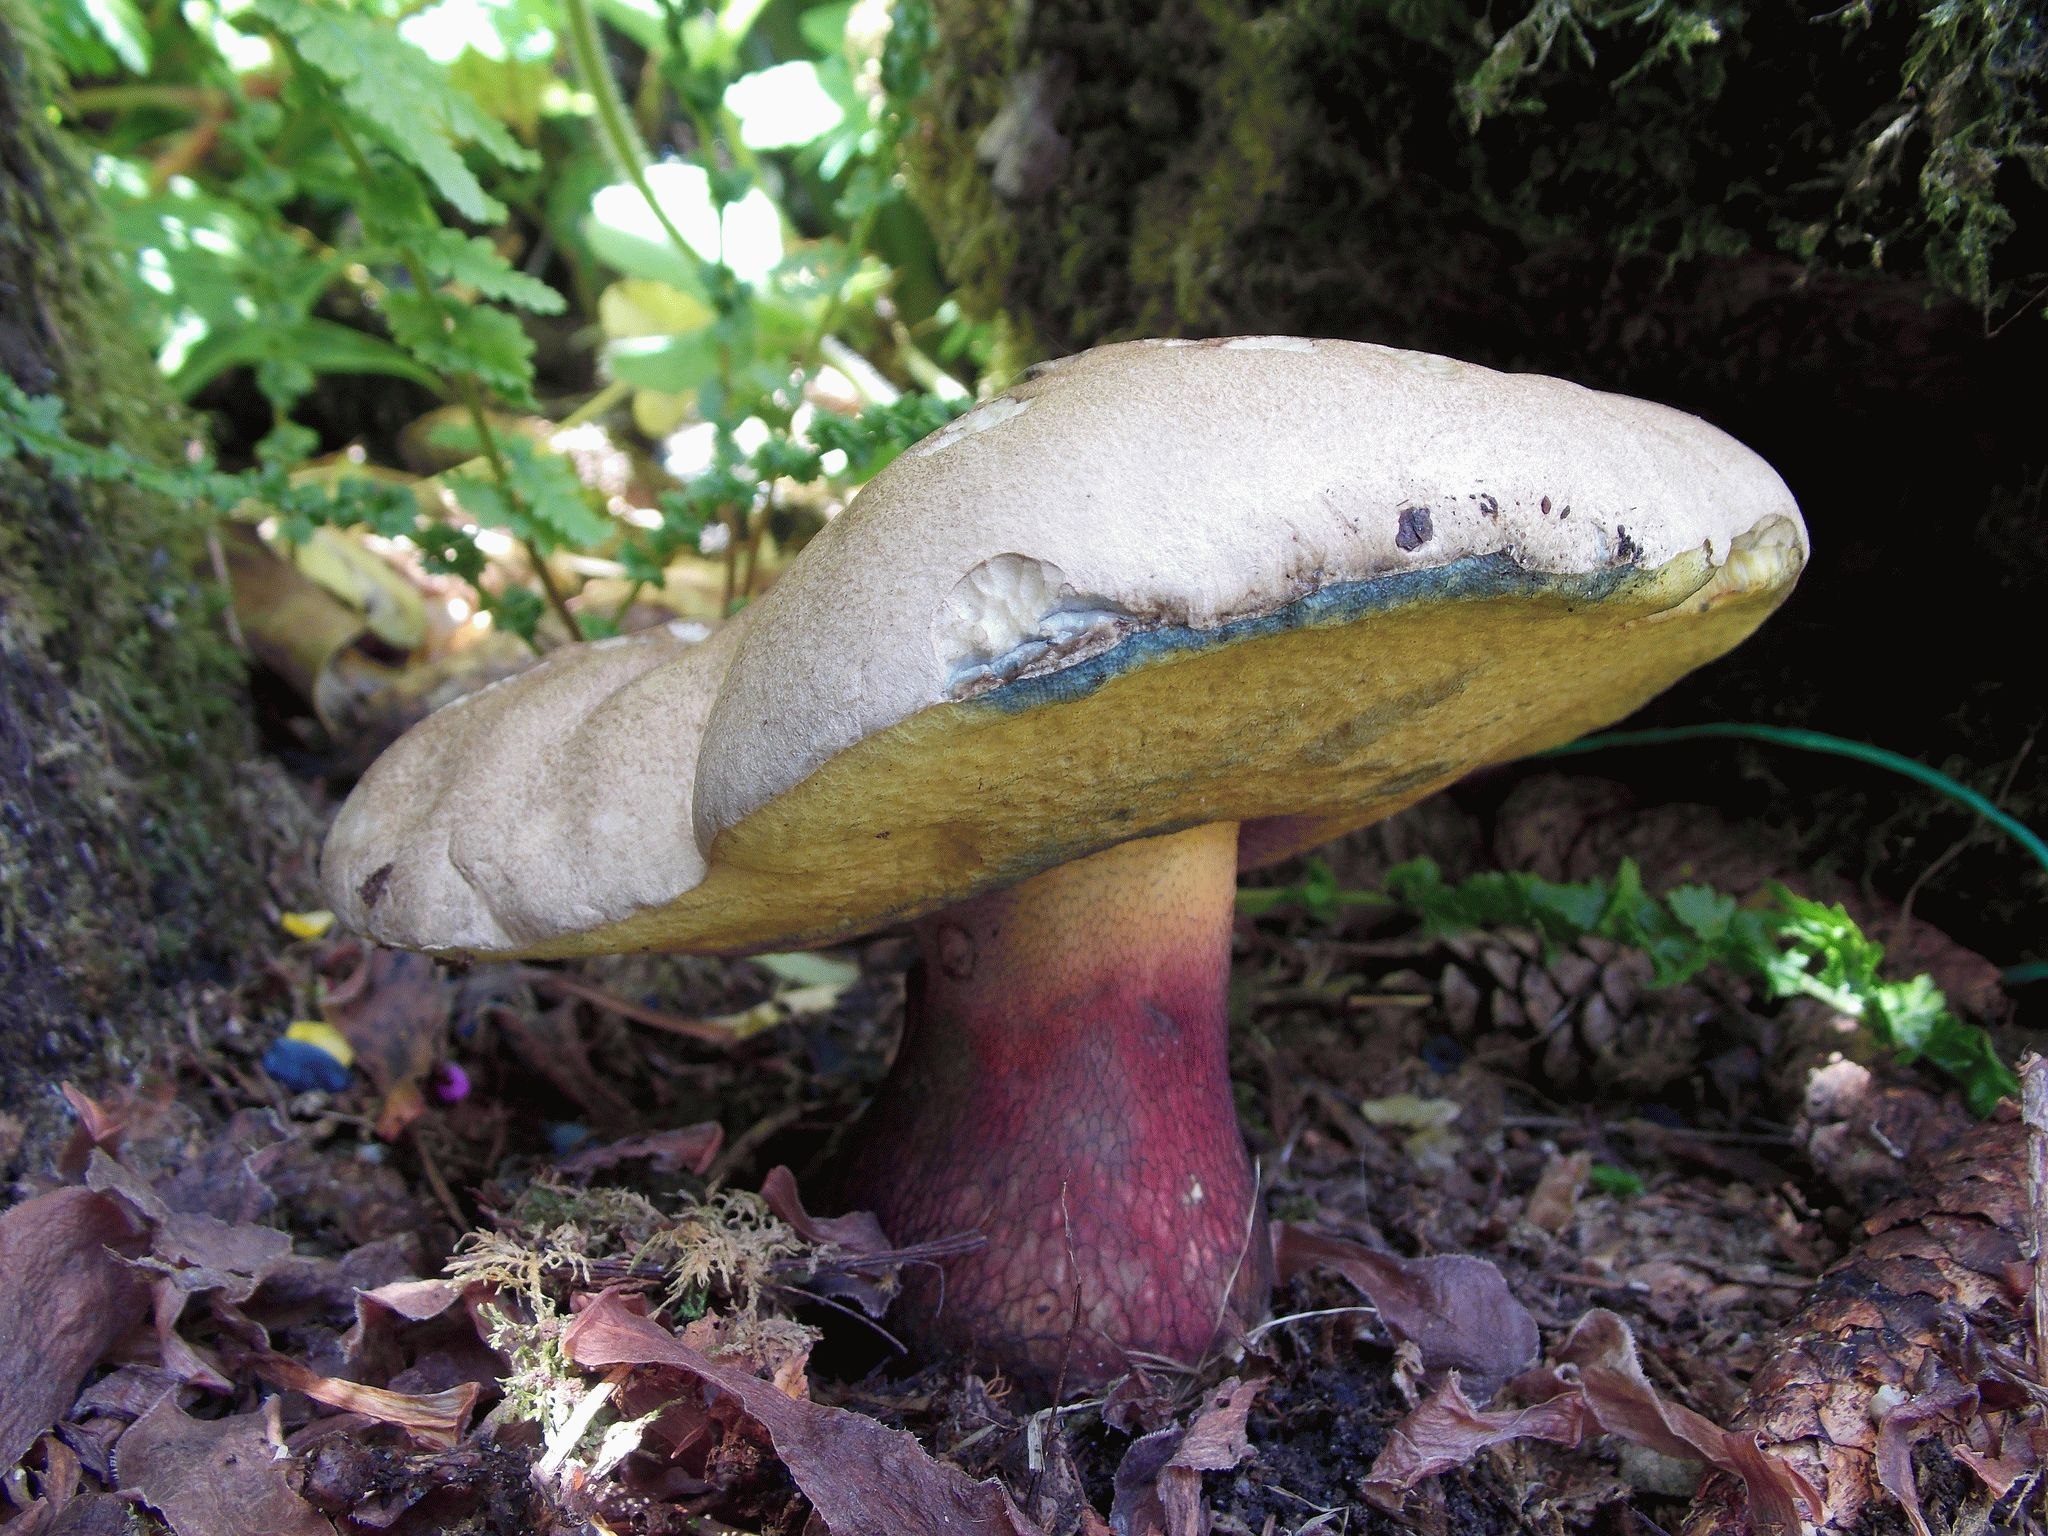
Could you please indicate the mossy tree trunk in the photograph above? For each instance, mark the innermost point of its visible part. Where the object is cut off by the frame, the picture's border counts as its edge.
(124, 864)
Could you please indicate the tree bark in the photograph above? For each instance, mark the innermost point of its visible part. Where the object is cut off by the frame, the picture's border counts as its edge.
(126, 871)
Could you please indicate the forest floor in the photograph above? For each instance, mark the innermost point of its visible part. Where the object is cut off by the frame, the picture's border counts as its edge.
(280, 1346)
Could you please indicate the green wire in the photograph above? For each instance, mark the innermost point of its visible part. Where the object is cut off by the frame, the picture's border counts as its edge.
(1834, 746)
(1839, 746)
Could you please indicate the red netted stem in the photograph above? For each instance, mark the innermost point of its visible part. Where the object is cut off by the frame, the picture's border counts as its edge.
(1063, 1087)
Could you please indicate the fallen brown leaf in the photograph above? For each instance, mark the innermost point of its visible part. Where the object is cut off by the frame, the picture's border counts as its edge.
(1447, 1431)
(190, 1255)
(1900, 1430)
(1603, 1391)
(92, 1514)
(2022, 1451)
(1620, 1401)
(1159, 1483)
(862, 1478)
(691, 1147)
(857, 1232)
(403, 1301)
(66, 1295)
(213, 1477)
(98, 1128)
(854, 1262)
(1457, 1309)
(435, 1419)
(393, 1011)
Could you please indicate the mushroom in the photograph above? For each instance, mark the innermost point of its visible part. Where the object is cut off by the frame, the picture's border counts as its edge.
(1159, 612)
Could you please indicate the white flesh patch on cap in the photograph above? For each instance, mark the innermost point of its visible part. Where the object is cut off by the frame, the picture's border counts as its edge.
(1269, 344)
(1015, 613)
(980, 419)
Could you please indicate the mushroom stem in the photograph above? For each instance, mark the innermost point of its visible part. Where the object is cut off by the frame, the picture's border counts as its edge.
(1063, 1087)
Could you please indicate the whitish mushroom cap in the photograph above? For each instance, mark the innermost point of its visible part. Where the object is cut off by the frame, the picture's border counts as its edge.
(1292, 583)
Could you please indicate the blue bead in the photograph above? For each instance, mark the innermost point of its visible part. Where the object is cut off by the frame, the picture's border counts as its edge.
(303, 1068)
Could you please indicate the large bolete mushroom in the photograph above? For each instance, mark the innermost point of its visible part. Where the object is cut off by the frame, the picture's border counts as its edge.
(1161, 611)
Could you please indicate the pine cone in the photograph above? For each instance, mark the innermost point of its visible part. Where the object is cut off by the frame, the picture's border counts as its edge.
(1584, 1017)
(1929, 1315)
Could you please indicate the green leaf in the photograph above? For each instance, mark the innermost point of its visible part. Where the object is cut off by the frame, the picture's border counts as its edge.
(449, 550)
(1795, 946)
(824, 26)
(517, 609)
(675, 365)
(562, 509)
(398, 96)
(474, 262)
(321, 346)
(459, 340)
(736, 19)
(1611, 1179)
(93, 36)
(783, 107)
(541, 500)
(624, 232)
(1562, 911)
(1704, 910)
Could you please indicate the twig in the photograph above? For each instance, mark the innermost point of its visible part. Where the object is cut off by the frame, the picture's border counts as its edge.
(744, 1144)
(1301, 1317)
(217, 558)
(565, 985)
(438, 1183)
(2034, 1110)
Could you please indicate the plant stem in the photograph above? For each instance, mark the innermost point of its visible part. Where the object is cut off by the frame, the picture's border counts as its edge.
(596, 405)
(625, 604)
(758, 526)
(487, 439)
(197, 99)
(615, 131)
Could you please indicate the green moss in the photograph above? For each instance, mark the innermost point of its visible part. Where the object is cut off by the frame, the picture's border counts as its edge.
(1348, 162)
(122, 723)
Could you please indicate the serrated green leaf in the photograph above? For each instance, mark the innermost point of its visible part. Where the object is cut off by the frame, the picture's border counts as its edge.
(559, 505)
(1565, 910)
(459, 340)
(1612, 1179)
(474, 262)
(1796, 946)
(518, 610)
(487, 502)
(1704, 910)
(399, 98)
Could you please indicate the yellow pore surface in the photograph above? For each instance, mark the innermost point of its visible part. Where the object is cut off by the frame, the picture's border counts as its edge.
(1340, 723)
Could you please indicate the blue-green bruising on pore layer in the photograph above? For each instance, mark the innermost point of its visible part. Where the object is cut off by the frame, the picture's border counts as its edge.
(1343, 602)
